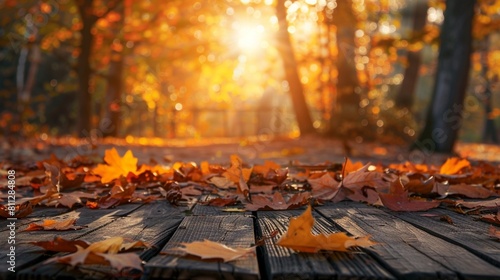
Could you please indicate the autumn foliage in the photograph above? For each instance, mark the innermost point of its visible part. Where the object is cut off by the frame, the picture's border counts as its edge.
(83, 182)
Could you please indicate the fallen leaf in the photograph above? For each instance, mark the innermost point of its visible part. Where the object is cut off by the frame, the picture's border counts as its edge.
(493, 203)
(491, 218)
(221, 201)
(494, 233)
(116, 166)
(207, 249)
(239, 175)
(106, 252)
(222, 182)
(61, 245)
(324, 187)
(470, 191)
(261, 202)
(397, 200)
(48, 224)
(350, 166)
(453, 166)
(300, 238)
(20, 210)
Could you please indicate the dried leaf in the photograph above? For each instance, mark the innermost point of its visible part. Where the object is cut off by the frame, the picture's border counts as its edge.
(20, 210)
(453, 166)
(104, 252)
(48, 224)
(61, 245)
(494, 233)
(207, 249)
(300, 238)
(116, 166)
(398, 200)
(260, 202)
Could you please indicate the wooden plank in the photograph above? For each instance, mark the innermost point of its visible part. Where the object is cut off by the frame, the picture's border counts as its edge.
(153, 223)
(38, 214)
(407, 251)
(465, 231)
(27, 254)
(208, 210)
(231, 230)
(282, 263)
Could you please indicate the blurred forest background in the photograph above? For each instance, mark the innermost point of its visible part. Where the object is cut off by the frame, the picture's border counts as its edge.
(364, 70)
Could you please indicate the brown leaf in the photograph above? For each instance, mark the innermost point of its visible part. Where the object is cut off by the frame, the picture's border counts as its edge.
(20, 210)
(61, 245)
(398, 200)
(207, 249)
(221, 201)
(260, 202)
(491, 218)
(48, 224)
(494, 233)
(300, 238)
(470, 191)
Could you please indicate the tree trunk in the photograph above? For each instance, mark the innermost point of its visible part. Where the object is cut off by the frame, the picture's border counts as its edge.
(345, 106)
(115, 86)
(285, 49)
(444, 116)
(404, 98)
(489, 131)
(84, 69)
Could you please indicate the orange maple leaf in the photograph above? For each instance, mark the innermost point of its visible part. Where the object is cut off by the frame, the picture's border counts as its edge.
(68, 224)
(300, 238)
(453, 166)
(116, 166)
(207, 249)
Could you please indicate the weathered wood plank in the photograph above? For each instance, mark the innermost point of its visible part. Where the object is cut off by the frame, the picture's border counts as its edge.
(283, 263)
(231, 230)
(465, 231)
(153, 223)
(208, 210)
(407, 251)
(38, 214)
(27, 254)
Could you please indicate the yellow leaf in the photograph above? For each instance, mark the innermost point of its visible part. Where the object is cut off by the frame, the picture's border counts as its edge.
(300, 238)
(207, 249)
(116, 166)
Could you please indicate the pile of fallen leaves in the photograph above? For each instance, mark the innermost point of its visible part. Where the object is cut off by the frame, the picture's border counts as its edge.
(237, 186)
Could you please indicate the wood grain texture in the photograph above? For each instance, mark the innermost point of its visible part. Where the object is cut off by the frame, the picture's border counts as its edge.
(466, 232)
(230, 230)
(407, 251)
(283, 263)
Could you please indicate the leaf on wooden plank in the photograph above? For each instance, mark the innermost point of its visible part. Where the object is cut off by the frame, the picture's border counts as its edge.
(48, 224)
(222, 182)
(363, 177)
(300, 238)
(494, 233)
(493, 203)
(61, 245)
(397, 200)
(106, 252)
(470, 191)
(410, 167)
(491, 218)
(324, 187)
(453, 166)
(88, 257)
(20, 210)
(221, 201)
(207, 249)
(116, 166)
(261, 202)
(419, 183)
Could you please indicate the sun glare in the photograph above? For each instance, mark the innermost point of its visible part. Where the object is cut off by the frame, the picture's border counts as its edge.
(250, 37)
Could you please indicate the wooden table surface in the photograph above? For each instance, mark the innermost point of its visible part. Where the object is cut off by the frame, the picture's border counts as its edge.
(411, 245)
